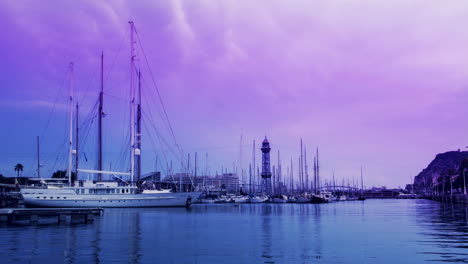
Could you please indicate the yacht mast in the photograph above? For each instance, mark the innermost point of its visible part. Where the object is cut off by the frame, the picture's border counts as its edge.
(305, 171)
(250, 178)
(254, 168)
(70, 151)
(301, 169)
(318, 170)
(76, 142)
(362, 182)
(315, 174)
(138, 132)
(38, 160)
(100, 115)
(132, 105)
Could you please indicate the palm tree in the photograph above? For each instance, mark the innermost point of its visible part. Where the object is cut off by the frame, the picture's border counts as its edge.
(19, 168)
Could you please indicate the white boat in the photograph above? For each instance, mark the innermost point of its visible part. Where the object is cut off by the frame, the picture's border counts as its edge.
(104, 194)
(223, 199)
(241, 199)
(279, 199)
(327, 196)
(343, 198)
(407, 196)
(302, 199)
(207, 201)
(156, 191)
(258, 199)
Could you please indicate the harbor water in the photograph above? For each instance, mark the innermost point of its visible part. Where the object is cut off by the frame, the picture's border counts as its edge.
(371, 231)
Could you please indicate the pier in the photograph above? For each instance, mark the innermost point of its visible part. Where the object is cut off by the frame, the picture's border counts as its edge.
(63, 215)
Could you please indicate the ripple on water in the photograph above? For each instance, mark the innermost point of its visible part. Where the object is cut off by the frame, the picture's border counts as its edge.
(371, 231)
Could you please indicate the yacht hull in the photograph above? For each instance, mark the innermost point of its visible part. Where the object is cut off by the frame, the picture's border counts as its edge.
(48, 198)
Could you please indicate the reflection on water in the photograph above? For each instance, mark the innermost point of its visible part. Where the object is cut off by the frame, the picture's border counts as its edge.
(372, 231)
(445, 231)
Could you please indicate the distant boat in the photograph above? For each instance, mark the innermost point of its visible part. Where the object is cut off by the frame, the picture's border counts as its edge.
(327, 196)
(258, 199)
(303, 199)
(279, 199)
(407, 196)
(207, 201)
(241, 199)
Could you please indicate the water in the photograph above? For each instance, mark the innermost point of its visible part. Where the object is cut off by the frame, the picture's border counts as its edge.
(371, 231)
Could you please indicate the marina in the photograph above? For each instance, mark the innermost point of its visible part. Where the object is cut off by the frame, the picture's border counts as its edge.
(361, 231)
(272, 132)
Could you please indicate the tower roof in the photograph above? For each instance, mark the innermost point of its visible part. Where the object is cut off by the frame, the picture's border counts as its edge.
(265, 143)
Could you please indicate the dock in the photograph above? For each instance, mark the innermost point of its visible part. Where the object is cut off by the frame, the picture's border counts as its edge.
(63, 215)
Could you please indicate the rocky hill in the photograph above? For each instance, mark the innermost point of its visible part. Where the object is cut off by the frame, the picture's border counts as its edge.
(445, 166)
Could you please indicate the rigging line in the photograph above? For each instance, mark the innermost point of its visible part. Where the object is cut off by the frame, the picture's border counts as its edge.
(150, 117)
(124, 152)
(91, 81)
(124, 38)
(54, 106)
(115, 96)
(164, 150)
(86, 125)
(153, 97)
(154, 145)
(157, 89)
(150, 114)
(158, 133)
(162, 142)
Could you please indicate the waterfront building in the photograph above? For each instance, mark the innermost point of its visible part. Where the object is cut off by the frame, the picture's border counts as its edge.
(227, 181)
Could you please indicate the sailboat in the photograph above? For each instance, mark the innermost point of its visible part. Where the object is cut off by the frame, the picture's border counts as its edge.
(104, 194)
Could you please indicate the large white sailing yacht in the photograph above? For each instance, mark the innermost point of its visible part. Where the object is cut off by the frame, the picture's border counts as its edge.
(100, 193)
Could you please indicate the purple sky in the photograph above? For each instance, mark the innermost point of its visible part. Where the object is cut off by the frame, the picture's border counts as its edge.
(380, 84)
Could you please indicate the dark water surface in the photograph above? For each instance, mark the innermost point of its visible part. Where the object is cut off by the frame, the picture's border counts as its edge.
(371, 231)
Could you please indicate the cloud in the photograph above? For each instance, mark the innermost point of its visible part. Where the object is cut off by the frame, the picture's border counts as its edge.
(354, 77)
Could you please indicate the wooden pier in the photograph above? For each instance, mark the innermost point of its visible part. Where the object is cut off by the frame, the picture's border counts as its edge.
(12, 215)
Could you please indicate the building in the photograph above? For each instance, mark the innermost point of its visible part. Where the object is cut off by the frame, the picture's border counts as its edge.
(227, 181)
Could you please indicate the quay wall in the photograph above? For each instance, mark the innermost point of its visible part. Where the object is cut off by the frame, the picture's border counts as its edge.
(447, 198)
